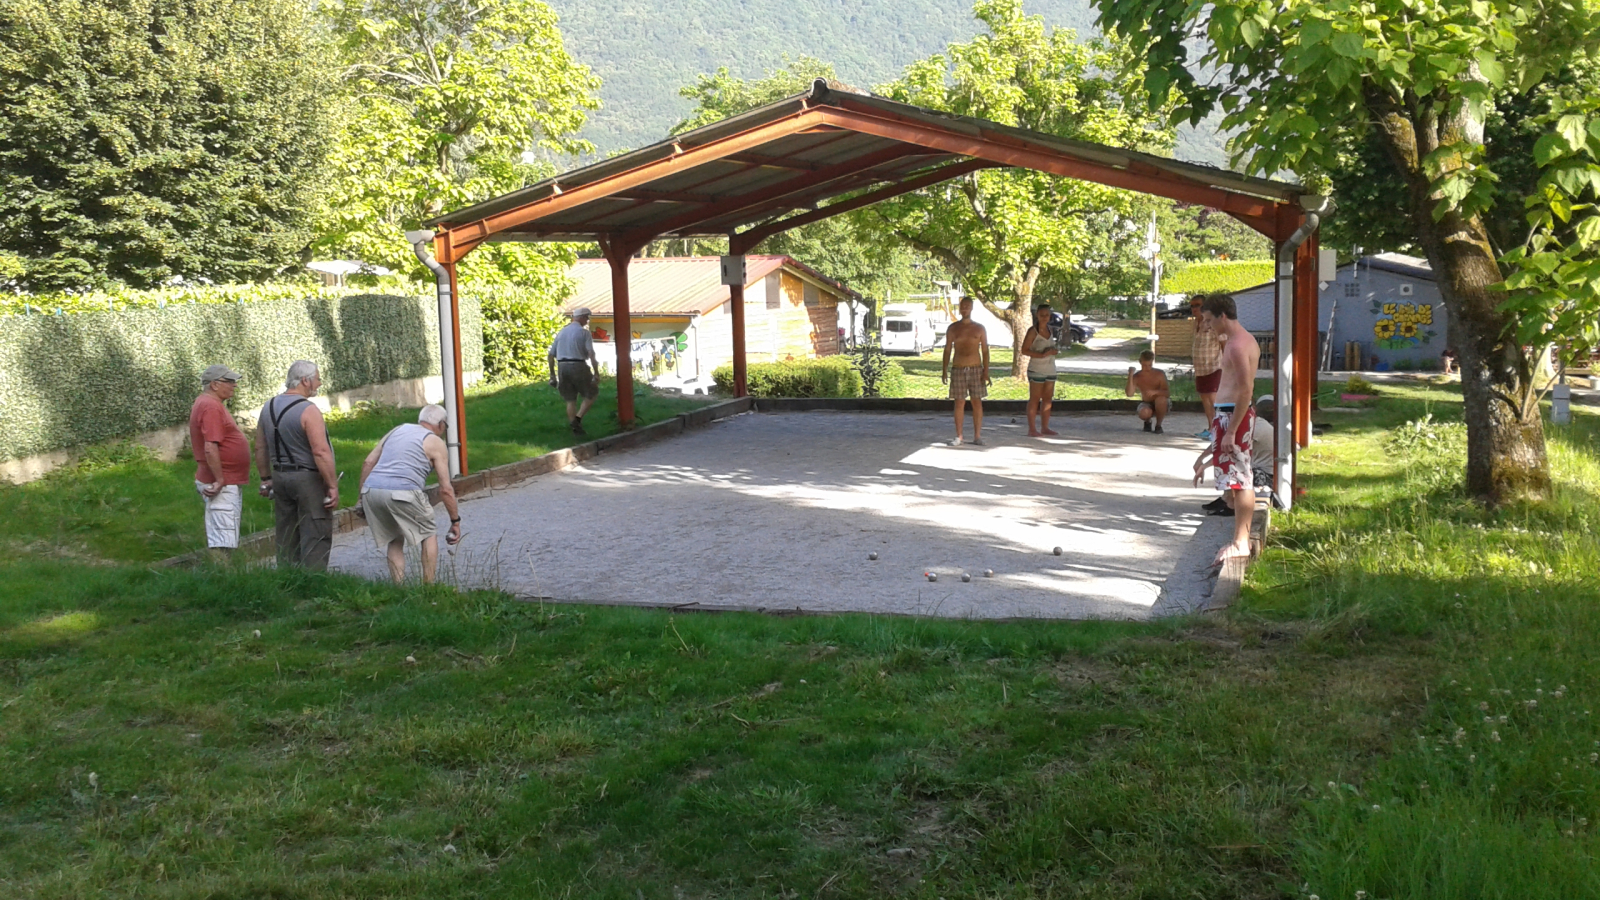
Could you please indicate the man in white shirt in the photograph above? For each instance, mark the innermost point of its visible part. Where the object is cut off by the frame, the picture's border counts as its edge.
(574, 369)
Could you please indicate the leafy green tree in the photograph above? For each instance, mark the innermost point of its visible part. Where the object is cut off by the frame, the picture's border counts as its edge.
(143, 140)
(836, 247)
(1423, 80)
(1001, 230)
(448, 102)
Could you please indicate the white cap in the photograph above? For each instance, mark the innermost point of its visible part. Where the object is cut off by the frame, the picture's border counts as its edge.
(580, 312)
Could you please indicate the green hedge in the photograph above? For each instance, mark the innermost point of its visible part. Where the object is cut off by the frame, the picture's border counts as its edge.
(1219, 277)
(72, 380)
(125, 298)
(831, 376)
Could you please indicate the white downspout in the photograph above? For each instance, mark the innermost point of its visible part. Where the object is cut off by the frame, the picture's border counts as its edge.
(447, 345)
(1316, 208)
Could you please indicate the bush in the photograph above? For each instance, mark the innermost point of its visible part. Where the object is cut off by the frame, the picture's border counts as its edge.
(74, 380)
(880, 376)
(831, 376)
(519, 325)
(1219, 277)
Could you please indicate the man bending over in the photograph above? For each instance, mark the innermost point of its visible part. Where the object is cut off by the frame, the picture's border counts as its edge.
(1233, 422)
(969, 343)
(1155, 394)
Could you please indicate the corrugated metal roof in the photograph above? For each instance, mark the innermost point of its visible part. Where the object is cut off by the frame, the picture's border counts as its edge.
(677, 286)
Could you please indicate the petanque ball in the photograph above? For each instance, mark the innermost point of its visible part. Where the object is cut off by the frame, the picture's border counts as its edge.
(965, 577)
(933, 576)
(872, 555)
(988, 573)
(1056, 551)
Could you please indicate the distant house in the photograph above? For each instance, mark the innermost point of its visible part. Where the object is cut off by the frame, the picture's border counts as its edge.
(1386, 305)
(682, 327)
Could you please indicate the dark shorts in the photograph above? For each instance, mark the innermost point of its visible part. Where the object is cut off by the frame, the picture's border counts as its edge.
(576, 380)
(1208, 384)
(1041, 379)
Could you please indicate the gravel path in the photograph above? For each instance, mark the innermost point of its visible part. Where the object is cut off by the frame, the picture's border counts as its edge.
(780, 512)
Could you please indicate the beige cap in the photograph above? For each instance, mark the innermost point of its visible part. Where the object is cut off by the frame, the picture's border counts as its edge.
(218, 373)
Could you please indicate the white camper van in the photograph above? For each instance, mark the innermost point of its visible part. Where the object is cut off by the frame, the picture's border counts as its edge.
(907, 328)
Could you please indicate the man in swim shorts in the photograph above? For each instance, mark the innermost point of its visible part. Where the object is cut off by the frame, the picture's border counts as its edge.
(1155, 394)
(968, 343)
(1233, 422)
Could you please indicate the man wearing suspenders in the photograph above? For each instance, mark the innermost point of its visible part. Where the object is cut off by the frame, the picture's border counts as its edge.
(297, 472)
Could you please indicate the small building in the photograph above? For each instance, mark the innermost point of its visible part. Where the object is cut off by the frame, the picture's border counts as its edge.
(682, 325)
(1385, 306)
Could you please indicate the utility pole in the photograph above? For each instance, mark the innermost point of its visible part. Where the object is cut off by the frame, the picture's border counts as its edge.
(1151, 253)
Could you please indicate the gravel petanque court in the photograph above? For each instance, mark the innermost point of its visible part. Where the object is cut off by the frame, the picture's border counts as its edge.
(780, 511)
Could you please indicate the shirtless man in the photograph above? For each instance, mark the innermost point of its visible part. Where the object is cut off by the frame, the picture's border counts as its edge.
(1155, 394)
(970, 377)
(1233, 422)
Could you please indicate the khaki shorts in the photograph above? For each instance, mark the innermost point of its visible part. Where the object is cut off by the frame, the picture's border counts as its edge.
(222, 515)
(576, 380)
(395, 515)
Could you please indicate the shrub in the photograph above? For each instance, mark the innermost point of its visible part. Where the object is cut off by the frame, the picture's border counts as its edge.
(831, 376)
(880, 376)
(73, 380)
(1405, 364)
(519, 325)
(1358, 385)
(1220, 276)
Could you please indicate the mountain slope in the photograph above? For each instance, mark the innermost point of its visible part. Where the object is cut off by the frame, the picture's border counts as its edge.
(645, 50)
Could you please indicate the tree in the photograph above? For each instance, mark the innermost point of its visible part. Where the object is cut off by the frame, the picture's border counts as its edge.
(836, 247)
(1001, 230)
(448, 102)
(1423, 80)
(143, 140)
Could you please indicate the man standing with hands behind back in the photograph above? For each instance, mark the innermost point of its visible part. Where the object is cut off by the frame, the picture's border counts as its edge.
(296, 465)
(1232, 425)
(222, 459)
(969, 342)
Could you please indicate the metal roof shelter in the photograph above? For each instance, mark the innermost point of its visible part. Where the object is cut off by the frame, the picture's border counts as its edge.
(830, 150)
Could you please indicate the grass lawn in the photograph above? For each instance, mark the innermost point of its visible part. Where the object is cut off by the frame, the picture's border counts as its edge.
(120, 503)
(922, 380)
(1399, 704)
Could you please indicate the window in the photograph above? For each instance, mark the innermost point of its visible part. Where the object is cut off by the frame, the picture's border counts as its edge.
(1352, 289)
(897, 325)
(812, 296)
(774, 291)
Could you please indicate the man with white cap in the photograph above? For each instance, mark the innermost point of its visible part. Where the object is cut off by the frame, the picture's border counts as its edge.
(221, 457)
(579, 372)
(392, 496)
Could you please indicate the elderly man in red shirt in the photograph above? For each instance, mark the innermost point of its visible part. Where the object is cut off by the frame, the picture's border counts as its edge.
(222, 459)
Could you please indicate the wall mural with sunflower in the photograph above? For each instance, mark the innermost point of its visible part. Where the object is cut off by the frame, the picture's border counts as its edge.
(1401, 326)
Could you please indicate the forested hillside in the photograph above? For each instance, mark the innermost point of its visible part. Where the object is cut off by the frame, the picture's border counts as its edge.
(645, 50)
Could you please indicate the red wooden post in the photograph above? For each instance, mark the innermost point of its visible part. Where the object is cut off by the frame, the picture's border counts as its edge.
(1305, 337)
(622, 331)
(741, 387)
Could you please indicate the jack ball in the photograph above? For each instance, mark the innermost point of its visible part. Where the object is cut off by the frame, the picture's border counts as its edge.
(988, 573)
(872, 555)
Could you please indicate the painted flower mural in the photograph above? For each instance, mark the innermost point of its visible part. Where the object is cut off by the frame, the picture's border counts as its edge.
(1401, 328)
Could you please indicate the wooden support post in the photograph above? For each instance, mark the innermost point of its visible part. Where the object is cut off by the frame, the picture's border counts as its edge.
(622, 330)
(1305, 337)
(741, 386)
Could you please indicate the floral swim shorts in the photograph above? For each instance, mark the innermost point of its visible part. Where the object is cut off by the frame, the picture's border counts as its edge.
(1230, 453)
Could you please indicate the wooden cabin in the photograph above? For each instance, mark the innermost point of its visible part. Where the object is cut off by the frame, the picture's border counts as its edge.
(682, 326)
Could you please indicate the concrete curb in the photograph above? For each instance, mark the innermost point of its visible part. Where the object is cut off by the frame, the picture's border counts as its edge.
(942, 405)
(262, 544)
(1231, 578)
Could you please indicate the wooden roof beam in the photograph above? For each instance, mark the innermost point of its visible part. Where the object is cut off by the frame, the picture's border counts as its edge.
(466, 236)
(745, 241)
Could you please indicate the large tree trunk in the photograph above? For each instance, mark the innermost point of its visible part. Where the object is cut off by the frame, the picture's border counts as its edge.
(1505, 433)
